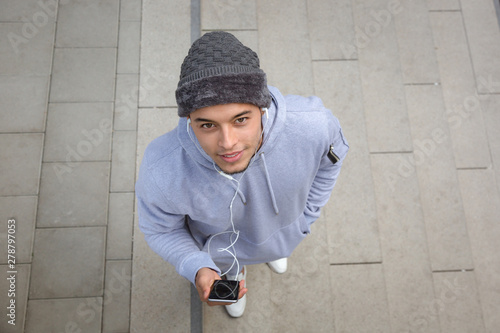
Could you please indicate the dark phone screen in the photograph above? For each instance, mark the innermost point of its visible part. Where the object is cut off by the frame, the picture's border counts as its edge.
(225, 290)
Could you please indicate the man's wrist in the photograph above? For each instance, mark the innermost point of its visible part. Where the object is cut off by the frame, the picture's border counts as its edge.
(203, 268)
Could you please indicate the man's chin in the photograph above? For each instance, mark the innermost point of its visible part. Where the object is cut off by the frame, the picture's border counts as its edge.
(233, 169)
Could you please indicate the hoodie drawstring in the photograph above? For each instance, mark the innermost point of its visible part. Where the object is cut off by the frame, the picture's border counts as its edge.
(270, 187)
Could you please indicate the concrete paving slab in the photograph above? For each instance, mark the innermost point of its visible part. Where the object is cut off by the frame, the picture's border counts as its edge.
(22, 280)
(491, 105)
(463, 108)
(78, 252)
(130, 10)
(27, 50)
(78, 132)
(284, 46)
(228, 15)
(20, 168)
(457, 302)
(83, 75)
(28, 10)
(23, 211)
(483, 37)
(360, 301)
(434, 165)
(120, 226)
(482, 209)
(385, 107)
(307, 280)
(406, 263)
(165, 41)
(126, 101)
(123, 161)
(27, 96)
(151, 124)
(351, 212)
(331, 30)
(59, 205)
(416, 48)
(87, 23)
(129, 47)
(116, 302)
(67, 314)
(160, 298)
(437, 5)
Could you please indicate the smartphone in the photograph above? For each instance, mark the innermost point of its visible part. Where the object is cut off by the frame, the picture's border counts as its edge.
(224, 291)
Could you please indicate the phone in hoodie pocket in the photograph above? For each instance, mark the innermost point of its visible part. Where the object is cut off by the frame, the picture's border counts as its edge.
(224, 291)
(334, 158)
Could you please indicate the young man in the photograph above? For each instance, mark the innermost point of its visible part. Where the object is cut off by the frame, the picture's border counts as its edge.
(242, 177)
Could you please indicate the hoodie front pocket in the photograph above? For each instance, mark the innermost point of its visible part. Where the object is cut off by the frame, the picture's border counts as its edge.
(304, 227)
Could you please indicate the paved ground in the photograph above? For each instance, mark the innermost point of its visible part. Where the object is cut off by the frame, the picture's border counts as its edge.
(409, 241)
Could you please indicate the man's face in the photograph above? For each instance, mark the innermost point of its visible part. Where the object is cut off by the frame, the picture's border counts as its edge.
(230, 134)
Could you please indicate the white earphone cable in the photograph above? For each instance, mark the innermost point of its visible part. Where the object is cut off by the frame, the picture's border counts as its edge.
(233, 232)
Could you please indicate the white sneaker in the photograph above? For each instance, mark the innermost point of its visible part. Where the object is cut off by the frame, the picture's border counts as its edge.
(279, 266)
(236, 310)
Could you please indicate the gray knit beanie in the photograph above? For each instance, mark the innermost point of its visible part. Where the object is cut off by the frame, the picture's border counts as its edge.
(219, 69)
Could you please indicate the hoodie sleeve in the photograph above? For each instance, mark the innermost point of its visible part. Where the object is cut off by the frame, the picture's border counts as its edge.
(327, 174)
(167, 233)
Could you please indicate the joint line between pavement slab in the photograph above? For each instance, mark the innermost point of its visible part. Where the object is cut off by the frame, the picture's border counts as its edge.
(195, 20)
(473, 168)
(454, 270)
(357, 263)
(497, 9)
(196, 306)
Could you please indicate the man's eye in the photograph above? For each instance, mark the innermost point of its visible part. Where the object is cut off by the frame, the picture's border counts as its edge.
(241, 120)
(207, 126)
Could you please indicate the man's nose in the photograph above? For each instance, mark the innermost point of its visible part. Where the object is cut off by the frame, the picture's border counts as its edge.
(227, 138)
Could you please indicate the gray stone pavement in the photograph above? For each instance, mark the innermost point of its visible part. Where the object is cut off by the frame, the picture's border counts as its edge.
(409, 240)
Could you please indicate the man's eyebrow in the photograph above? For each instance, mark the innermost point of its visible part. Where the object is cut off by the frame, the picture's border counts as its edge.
(239, 115)
(204, 120)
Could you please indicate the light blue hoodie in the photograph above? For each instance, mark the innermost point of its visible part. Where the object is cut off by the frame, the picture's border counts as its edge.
(183, 200)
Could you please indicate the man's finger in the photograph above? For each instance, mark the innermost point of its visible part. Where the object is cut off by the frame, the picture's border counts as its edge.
(243, 290)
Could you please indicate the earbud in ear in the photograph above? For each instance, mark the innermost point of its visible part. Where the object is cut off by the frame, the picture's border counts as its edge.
(265, 111)
(189, 121)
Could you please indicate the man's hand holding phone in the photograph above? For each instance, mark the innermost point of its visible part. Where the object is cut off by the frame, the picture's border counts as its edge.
(219, 292)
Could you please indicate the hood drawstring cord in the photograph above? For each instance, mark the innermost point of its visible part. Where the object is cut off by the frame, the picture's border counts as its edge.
(269, 185)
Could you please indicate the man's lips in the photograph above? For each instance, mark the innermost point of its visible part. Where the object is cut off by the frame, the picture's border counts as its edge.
(231, 157)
